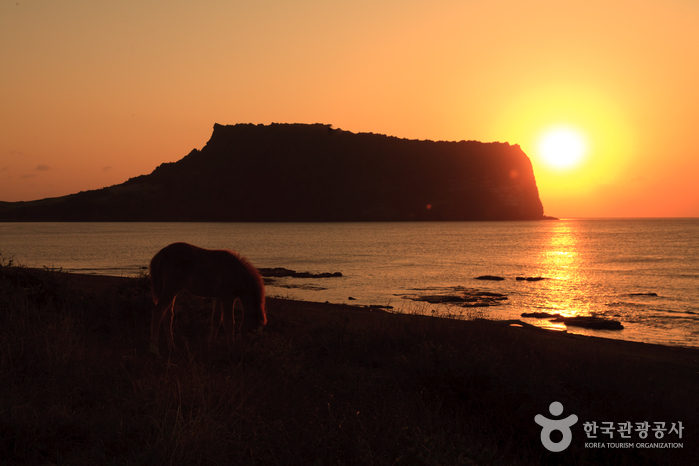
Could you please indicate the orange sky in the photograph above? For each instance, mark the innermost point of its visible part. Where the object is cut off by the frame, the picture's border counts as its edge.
(93, 93)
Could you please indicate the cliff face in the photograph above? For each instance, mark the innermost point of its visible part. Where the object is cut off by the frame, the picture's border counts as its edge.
(293, 172)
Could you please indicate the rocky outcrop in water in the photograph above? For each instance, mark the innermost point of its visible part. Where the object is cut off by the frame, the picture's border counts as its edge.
(463, 297)
(591, 322)
(295, 172)
(279, 272)
(493, 278)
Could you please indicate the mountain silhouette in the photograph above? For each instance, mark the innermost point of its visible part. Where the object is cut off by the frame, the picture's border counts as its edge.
(299, 172)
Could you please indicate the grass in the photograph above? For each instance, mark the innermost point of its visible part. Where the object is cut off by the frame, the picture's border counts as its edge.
(321, 385)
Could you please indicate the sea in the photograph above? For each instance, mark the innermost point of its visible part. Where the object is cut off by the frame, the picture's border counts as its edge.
(643, 273)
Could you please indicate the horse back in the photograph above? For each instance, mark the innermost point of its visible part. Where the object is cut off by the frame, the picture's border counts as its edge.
(219, 273)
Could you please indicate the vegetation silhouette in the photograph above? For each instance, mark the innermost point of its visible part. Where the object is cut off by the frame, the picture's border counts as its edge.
(299, 172)
(220, 274)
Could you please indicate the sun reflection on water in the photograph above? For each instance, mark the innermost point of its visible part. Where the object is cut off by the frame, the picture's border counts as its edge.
(562, 262)
(561, 258)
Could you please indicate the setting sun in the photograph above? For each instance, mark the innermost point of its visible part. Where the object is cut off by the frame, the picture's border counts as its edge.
(562, 148)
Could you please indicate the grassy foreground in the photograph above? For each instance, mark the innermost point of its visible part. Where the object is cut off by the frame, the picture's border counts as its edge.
(323, 384)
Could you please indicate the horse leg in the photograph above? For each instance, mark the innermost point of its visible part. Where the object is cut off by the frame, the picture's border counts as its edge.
(216, 319)
(161, 308)
(239, 315)
(170, 314)
(229, 318)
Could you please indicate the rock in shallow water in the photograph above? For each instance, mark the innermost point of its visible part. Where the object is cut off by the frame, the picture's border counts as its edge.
(465, 298)
(539, 315)
(591, 322)
(279, 272)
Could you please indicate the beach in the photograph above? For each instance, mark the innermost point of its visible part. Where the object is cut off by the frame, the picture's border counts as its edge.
(322, 384)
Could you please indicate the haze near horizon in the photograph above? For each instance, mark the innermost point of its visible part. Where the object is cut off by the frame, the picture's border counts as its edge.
(601, 96)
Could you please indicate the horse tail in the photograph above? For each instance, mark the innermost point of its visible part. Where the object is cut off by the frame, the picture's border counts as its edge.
(262, 318)
(156, 277)
(259, 297)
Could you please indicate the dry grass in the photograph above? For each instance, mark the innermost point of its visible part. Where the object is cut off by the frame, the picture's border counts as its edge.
(322, 384)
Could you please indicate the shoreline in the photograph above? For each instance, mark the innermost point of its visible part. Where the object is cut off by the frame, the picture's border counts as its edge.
(637, 330)
(98, 282)
(330, 383)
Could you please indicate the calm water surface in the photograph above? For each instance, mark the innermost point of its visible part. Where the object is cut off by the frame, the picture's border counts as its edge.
(604, 267)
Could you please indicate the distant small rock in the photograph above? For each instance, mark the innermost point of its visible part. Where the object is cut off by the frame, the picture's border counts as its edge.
(643, 294)
(490, 277)
(530, 279)
(352, 299)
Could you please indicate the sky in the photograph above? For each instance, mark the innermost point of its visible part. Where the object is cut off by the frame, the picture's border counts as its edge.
(93, 93)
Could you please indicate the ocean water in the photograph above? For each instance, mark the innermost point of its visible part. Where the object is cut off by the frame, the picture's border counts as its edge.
(641, 272)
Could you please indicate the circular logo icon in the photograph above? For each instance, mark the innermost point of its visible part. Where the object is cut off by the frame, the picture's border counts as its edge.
(562, 425)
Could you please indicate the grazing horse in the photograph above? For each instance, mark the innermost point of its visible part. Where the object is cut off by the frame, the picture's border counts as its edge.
(211, 273)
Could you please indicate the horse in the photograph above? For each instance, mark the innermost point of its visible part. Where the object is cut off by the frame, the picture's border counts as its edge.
(221, 274)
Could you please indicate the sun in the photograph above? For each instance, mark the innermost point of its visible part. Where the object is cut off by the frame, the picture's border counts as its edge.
(562, 147)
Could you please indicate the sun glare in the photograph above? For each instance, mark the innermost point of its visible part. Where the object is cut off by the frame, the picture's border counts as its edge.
(562, 148)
